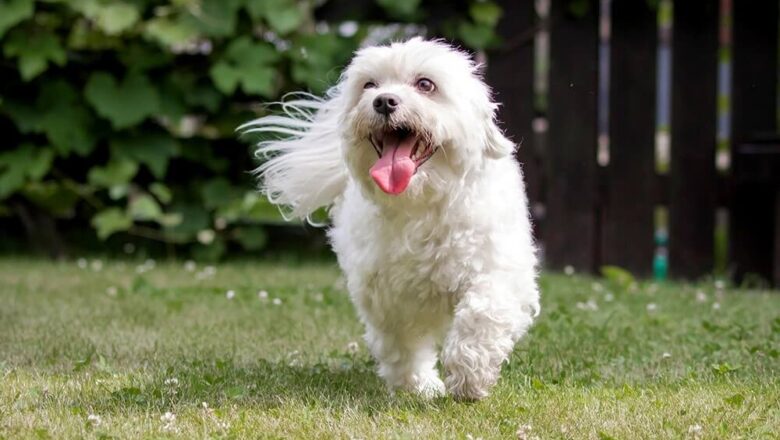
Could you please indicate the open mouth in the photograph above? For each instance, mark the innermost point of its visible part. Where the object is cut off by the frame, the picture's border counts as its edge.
(401, 151)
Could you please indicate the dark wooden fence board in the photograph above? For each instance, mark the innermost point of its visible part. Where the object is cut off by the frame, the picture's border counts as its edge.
(510, 72)
(753, 111)
(694, 79)
(570, 233)
(628, 208)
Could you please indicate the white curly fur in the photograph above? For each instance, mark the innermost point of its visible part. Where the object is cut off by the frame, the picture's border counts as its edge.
(448, 263)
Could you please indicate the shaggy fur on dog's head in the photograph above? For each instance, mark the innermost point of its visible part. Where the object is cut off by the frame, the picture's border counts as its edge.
(443, 102)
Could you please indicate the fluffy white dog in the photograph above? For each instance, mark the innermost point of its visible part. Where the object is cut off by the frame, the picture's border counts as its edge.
(429, 213)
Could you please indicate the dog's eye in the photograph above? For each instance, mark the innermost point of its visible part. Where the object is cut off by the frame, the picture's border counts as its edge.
(369, 85)
(425, 85)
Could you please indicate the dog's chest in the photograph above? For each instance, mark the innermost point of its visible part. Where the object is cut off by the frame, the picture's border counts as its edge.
(414, 260)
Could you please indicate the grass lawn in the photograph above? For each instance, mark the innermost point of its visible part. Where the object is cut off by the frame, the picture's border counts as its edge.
(107, 353)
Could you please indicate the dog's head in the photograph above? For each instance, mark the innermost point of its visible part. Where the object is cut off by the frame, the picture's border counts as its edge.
(417, 117)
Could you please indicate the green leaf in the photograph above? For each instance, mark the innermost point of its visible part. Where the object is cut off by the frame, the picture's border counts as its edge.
(215, 18)
(723, 369)
(34, 50)
(59, 113)
(169, 32)
(124, 104)
(85, 36)
(13, 12)
(194, 218)
(252, 207)
(118, 171)
(218, 192)
(248, 64)
(19, 165)
(476, 36)
(315, 61)
(735, 400)
(161, 191)
(144, 208)
(152, 150)
(618, 276)
(68, 124)
(406, 9)
(252, 238)
(284, 16)
(116, 17)
(110, 221)
(139, 56)
(485, 12)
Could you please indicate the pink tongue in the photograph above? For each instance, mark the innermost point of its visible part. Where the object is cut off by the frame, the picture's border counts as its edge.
(393, 171)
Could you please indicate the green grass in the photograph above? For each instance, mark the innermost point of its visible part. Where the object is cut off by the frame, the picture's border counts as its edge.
(78, 342)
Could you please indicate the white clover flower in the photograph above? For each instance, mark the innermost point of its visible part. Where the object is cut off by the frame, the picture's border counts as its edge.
(168, 417)
(262, 294)
(112, 291)
(172, 382)
(190, 266)
(589, 305)
(81, 263)
(701, 296)
(695, 431)
(720, 285)
(524, 432)
(352, 347)
(651, 307)
(609, 297)
(230, 294)
(277, 302)
(94, 420)
(716, 306)
(568, 270)
(206, 236)
(597, 287)
(96, 265)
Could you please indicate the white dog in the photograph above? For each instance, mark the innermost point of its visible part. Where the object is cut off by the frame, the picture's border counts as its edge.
(429, 212)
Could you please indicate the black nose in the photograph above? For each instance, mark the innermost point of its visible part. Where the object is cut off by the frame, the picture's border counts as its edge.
(386, 103)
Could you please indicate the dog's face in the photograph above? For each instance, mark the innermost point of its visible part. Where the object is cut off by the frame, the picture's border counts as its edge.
(417, 117)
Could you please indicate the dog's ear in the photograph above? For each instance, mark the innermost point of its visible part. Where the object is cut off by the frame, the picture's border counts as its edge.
(496, 144)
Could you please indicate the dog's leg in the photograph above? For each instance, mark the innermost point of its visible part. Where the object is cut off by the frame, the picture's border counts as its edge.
(406, 362)
(484, 330)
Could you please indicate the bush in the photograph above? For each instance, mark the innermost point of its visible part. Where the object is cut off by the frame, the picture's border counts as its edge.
(121, 114)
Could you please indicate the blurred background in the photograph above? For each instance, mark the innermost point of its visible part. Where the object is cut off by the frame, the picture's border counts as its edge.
(648, 129)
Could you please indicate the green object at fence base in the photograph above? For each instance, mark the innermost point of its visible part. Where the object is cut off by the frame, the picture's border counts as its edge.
(660, 266)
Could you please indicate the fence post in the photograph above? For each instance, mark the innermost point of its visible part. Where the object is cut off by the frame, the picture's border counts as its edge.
(570, 232)
(694, 111)
(754, 101)
(628, 208)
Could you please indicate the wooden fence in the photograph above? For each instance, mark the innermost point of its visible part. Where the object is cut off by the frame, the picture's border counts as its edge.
(589, 215)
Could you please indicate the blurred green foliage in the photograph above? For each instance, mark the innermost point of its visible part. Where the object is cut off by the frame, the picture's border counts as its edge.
(121, 114)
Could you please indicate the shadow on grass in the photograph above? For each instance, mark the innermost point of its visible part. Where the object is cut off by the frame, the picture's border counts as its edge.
(340, 383)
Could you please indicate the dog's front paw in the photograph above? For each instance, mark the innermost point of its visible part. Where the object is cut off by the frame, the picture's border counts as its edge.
(467, 386)
(470, 372)
(429, 386)
(426, 385)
